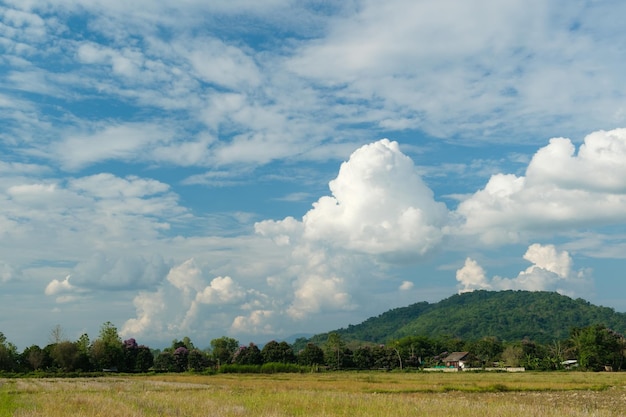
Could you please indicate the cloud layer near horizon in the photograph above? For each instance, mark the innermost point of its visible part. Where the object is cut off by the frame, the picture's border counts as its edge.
(551, 270)
(379, 212)
(345, 242)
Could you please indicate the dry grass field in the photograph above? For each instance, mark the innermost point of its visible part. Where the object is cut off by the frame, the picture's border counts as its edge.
(327, 394)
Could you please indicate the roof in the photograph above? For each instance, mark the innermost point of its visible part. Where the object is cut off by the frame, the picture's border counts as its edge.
(455, 356)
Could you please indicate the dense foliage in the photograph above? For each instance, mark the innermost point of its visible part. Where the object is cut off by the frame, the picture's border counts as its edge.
(507, 315)
(539, 331)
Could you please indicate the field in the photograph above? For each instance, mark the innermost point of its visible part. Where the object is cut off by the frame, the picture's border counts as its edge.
(320, 394)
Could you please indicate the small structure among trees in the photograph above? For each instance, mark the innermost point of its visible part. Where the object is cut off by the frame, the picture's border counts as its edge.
(456, 360)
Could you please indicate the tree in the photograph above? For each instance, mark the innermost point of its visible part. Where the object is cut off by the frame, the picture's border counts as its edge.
(83, 361)
(415, 349)
(164, 362)
(553, 357)
(181, 355)
(363, 357)
(278, 352)
(311, 355)
(487, 350)
(65, 355)
(223, 349)
(512, 355)
(248, 355)
(596, 347)
(188, 343)
(333, 350)
(137, 358)
(198, 361)
(107, 352)
(33, 358)
(57, 335)
(8, 355)
(384, 357)
(299, 344)
(144, 360)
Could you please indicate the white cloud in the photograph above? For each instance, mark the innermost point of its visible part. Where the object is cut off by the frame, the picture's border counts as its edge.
(221, 290)
(257, 322)
(472, 277)
(119, 272)
(551, 271)
(123, 142)
(598, 166)
(150, 307)
(379, 205)
(7, 272)
(56, 287)
(187, 277)
(316, 293)
(320, 265)
(127, 62)
(561, 189)
(186, 303)
(64, 291)
(213, 61)
(102, 230)
(143, 85)
(406, 286)
(471, 69)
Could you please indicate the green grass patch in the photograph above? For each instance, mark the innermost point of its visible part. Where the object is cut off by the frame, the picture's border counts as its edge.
(7, 402)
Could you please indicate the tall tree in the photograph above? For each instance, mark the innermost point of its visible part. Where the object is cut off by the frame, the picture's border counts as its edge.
(198, 360)
(65, 355)
(83, 360)
(278, 352)
(311, 355)
(181, 356)
(33, 358)
(8, 355)
(223, 349)
(248, 355)
(107, 351)
(57, 335)
(333, 350)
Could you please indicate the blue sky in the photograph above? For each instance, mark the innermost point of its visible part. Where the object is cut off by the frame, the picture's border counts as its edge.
(261, 169)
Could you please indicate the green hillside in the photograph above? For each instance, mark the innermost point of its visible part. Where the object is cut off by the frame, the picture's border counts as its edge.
(507, 315)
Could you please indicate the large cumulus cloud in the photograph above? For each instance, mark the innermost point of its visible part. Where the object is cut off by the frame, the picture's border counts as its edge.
(561, 191)
(379, 204)
(379, 209)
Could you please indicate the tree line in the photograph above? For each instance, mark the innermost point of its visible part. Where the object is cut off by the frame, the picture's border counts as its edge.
(593, 347)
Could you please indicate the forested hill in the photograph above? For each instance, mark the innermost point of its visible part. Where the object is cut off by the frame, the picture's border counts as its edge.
(507, 315)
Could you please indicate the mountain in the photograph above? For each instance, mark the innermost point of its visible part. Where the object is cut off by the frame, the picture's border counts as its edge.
(507, 315)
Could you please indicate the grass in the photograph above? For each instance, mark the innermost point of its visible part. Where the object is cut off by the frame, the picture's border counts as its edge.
(326, 394)
(7, 401)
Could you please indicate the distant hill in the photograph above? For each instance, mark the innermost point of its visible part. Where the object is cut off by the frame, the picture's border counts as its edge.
(507, 315)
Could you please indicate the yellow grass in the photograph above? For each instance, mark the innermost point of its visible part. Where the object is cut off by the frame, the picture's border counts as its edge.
(328, 394)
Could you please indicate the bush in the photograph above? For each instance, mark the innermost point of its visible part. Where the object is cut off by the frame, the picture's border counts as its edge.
(268, 368)
(278, 367)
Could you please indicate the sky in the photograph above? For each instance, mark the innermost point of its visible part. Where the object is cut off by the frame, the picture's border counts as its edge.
(265, 169)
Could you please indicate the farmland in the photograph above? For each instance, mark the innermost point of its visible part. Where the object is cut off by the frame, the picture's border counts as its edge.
(320, 394)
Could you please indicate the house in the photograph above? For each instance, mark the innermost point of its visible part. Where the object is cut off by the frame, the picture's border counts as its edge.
(456, 360)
